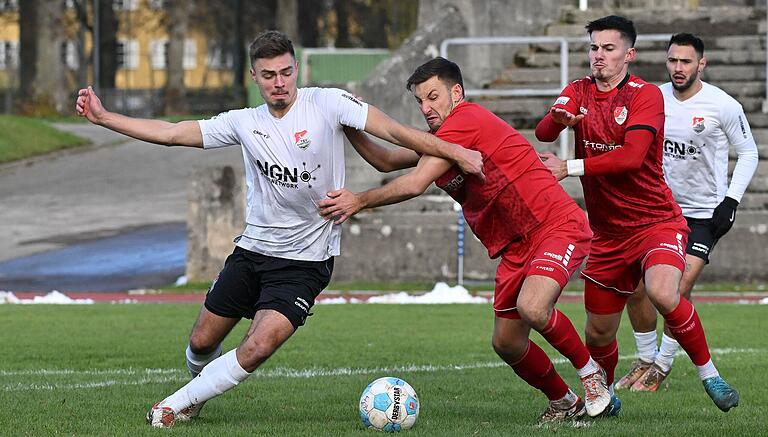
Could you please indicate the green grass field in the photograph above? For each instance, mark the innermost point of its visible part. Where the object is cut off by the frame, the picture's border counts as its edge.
(23, 137)
(95, 370)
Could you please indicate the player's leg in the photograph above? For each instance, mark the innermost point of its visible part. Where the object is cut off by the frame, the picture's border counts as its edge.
(655, 375)
(557, 252)
(205, 339)
(663, 271)
(282, 292)
(204, 346)
(535, 304)
(642, 316)
(604, 307)
(228, 300)
(510, 341)
(268, 331)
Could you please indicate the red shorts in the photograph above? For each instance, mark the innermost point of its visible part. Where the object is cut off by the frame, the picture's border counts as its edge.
(616, 265)
(555, 250)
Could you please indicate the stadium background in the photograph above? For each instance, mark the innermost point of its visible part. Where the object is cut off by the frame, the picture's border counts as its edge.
(157, 60)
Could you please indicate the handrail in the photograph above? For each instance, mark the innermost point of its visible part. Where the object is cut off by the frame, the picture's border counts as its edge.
(529, 92)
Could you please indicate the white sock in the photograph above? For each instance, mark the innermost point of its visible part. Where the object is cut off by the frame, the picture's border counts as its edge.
(708, 370)
(646, 345)
(590, 368)
(220, 375)
(566, 401)
(667, 352)
(196, 362)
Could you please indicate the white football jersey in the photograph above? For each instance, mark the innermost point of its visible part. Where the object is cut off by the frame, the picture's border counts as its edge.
(697, 134)
(290, 165)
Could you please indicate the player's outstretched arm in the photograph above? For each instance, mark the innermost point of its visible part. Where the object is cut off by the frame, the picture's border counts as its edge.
(381, 125)
(555, 121)
(381, 157)
(343, 204)
(184, 133)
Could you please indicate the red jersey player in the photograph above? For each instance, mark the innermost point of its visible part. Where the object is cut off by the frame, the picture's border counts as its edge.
(640, 232)
(520, 213)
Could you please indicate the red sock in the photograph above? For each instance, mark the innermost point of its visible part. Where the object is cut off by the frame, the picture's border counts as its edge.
(561, 334)
(686, 327)
(607, 356)
(537, 370)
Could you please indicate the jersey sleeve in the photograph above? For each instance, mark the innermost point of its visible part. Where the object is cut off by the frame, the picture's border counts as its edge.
(567, 100)
(219, 131)
(647, 110)
(342, 107)
(736, 128)
(548, 129)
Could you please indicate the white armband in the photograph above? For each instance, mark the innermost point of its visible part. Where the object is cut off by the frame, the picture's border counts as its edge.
(575, 167)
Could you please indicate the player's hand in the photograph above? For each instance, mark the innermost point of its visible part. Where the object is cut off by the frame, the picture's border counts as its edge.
(471, 162)
(89, 106)
(340, 205)
(724, 216)
(556, 165)
(564, 117)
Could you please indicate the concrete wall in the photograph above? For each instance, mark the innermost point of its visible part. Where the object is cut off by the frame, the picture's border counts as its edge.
(415, 240)
(216, 215)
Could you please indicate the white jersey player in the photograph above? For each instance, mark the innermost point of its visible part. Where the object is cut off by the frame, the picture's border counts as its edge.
(293, 152)
(702, 122)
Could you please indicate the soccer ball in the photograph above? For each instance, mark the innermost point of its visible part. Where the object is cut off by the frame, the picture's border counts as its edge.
(389, 404)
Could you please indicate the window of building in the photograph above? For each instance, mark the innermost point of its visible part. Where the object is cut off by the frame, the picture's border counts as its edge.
(219, 56)
(125, 5)
(158, 54)
(127, 54)
(190, 54)
(69, 56)
(9, 55)
(9, 5)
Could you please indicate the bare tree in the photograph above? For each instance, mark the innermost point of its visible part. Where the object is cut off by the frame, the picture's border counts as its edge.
(287, 18)
(41, 66)
(107, 44)
(175, 90)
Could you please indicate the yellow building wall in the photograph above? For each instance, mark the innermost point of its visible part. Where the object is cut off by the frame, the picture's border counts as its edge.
(143, 25)
(9, 31)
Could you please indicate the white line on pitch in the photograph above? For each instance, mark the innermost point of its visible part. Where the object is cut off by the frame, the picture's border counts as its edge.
(159, 376)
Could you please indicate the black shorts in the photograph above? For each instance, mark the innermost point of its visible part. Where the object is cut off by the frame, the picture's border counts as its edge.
(250, 282)
(701, 241)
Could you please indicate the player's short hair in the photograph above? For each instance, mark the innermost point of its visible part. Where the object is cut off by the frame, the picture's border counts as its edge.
(445, 70)
(614, 22)
(270, 44)
(688, 39)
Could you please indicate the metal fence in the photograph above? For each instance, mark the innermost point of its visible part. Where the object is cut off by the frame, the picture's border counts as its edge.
(563, 42)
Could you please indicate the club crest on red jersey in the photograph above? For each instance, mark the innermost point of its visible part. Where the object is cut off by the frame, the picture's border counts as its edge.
(698, 124)
(620, 114)
(302, 141)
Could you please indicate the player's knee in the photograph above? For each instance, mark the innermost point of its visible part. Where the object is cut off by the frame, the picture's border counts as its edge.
(665, 300)
(535, 317)
(598, 334)
(256, 351)
(201, 344)
(509, 345)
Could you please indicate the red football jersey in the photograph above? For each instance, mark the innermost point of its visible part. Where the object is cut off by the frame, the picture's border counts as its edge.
(519, 193)
(620, 203)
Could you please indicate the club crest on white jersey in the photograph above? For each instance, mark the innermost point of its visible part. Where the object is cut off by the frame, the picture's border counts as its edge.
(302, 140)
(697, 124)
